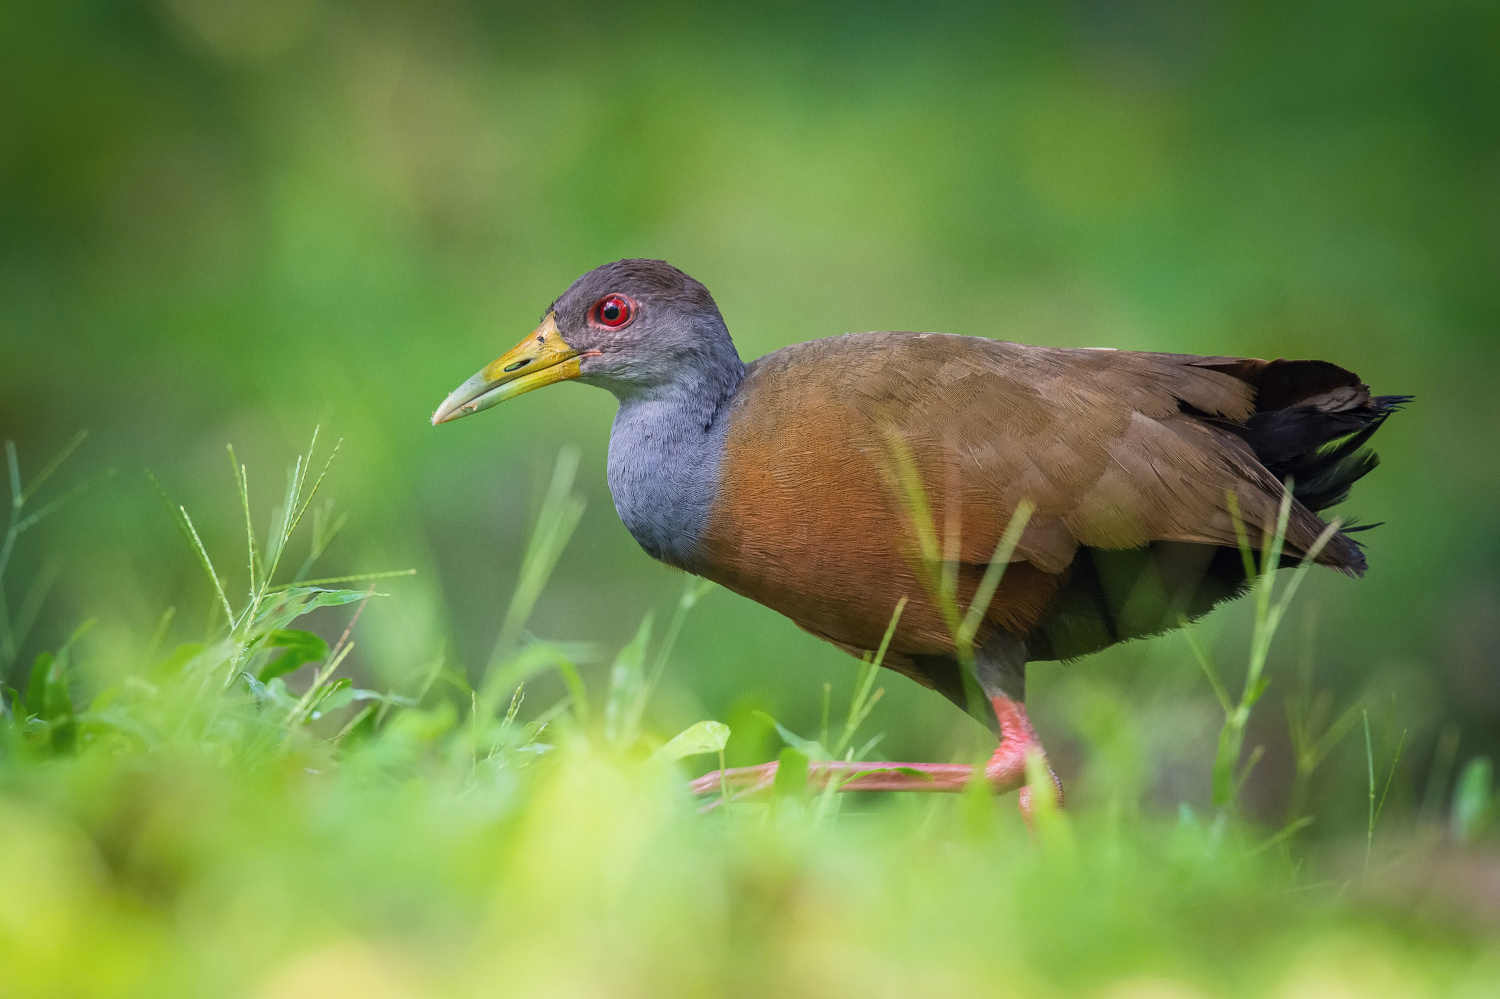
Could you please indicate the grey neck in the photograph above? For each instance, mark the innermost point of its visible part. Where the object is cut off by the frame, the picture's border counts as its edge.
(664, 453)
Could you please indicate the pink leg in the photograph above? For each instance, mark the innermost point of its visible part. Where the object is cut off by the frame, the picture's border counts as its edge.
(1005, 771)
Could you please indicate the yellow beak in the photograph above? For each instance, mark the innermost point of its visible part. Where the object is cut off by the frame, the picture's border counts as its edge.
(543, 358)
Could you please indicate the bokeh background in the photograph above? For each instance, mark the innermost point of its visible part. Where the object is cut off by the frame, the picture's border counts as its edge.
(230, 220)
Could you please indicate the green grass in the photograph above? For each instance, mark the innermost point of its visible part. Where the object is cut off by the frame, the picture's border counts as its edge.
(236, 817)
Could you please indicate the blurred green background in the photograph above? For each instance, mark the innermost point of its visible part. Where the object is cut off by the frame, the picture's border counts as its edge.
(229, 220)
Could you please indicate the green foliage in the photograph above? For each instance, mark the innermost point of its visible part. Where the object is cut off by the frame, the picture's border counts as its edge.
(15, 629)
(287, 833)
(302, 647)
(1229, 775)
(695, 740)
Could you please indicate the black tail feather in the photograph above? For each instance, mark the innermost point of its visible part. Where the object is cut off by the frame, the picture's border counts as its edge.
(1320, 450)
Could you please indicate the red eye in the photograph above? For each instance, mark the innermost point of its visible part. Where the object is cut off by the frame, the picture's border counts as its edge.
(613, 311)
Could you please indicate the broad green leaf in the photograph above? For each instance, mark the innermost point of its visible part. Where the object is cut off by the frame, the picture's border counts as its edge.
(285, 606)
(302, 647)
(704, 737)
(812, 749)
(347, 694)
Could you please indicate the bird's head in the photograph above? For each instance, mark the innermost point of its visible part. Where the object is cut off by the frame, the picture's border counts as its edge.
(633, 327)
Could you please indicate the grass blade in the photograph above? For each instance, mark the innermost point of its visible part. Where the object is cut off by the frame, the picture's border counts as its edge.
(47, 472)
(362, 577)
(994, 571)
(190, 534)
(561, 511)
(242, 483)
(67, 497)
(13, 463)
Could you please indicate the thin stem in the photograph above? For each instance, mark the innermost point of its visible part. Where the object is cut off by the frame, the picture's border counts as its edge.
(356, 578)
(242, 483)
(52, 466)
(17, 500)
(862, 702)
(993, 572)
(72, 494)
(693, 591)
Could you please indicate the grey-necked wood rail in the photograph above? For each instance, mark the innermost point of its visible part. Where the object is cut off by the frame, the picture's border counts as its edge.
(774, 479)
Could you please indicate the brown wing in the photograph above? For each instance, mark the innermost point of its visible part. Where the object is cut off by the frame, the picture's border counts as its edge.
(1117, 450)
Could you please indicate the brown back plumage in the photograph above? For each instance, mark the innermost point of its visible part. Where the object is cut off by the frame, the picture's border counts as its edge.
(1127, 456)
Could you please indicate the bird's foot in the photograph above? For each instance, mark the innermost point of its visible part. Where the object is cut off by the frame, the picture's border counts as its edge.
(1006, 770)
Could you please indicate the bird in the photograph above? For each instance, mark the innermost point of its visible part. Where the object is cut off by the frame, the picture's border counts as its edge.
(843, 481)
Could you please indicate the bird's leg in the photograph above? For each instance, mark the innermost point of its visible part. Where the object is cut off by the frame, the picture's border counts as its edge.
(1000, 669)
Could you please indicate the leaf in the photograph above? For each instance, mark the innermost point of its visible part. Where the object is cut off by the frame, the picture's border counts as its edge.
(36, 690)
(50, 701)
(274, 692)
(812, 750)
(290, 604)
(257, 689)
(347, 694)
(17, 707)
(704, 737)
(179, 658)
(302, 647)
(48, 696)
